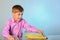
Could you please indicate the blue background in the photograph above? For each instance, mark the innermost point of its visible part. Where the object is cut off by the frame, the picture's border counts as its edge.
(44, 14)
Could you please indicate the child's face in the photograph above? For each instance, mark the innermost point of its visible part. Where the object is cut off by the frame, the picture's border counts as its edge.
(17, 15)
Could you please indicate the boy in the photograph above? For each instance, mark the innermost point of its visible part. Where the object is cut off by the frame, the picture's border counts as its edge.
(14, 25)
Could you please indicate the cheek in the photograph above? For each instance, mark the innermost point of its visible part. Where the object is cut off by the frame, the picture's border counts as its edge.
(17, 16)
(14, 15)
(20, 16)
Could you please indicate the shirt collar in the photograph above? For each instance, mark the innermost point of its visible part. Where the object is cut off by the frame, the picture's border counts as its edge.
(14, 20)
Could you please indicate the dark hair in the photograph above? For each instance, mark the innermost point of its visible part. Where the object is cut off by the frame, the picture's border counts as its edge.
(19, 7)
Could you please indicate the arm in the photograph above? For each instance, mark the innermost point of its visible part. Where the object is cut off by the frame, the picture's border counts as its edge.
(31, 28)
(5, 32)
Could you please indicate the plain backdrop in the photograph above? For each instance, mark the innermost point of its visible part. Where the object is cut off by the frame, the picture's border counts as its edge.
(43, 14)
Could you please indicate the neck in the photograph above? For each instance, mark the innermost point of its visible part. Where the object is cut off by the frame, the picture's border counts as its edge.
(16, 20)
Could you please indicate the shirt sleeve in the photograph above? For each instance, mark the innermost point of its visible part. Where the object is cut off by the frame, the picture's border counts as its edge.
(5, 32)
(29, 27)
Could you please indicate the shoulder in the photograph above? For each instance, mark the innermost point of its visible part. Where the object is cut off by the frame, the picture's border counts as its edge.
(9, 21)
(23, 20)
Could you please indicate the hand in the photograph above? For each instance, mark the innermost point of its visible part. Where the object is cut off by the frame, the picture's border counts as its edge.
(10, 37)
(40, 32)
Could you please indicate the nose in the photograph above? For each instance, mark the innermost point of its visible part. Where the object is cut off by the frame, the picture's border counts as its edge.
(18, 14)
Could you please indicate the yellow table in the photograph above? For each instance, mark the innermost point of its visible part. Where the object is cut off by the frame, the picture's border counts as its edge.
(35, 37)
